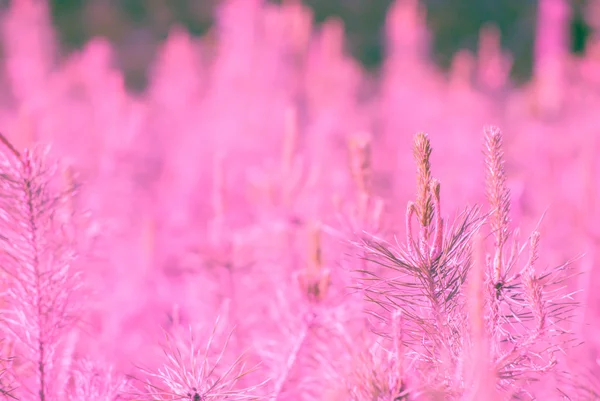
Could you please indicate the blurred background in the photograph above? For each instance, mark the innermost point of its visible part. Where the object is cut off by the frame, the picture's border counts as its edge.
(135, 27)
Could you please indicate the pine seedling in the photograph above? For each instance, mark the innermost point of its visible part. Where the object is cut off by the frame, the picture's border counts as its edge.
(314, 280)
(195, 374)
(377, 372)
(366, 212)
(498, 197)
(284, 185)
(425, 280)
(360, 162)
(36, 255)
(527, 310)
(93, 382)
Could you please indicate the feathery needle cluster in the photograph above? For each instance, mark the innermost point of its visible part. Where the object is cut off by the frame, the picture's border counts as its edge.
(195, 374)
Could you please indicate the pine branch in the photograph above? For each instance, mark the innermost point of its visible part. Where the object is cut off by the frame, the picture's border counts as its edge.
(36, 255)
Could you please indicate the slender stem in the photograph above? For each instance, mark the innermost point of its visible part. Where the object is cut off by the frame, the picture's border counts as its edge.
(292, 358)
(33, 228)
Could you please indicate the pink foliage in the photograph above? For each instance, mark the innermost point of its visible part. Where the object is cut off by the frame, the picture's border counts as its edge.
(266, 181)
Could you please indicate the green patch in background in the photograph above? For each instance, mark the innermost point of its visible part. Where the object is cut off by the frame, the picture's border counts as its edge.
(455, 24)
